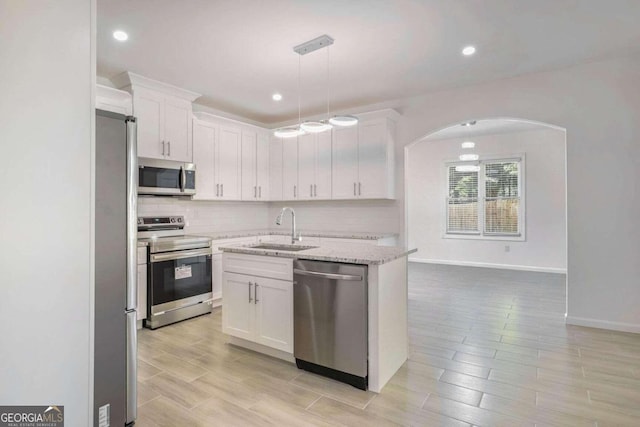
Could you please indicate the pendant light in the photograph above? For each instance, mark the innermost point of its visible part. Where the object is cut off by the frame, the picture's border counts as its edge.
(317, 126)
(314, 126)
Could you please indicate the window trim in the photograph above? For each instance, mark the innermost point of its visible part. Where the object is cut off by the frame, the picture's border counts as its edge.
(481, 234)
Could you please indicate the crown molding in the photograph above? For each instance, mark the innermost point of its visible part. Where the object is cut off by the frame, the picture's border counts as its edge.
(130, 81)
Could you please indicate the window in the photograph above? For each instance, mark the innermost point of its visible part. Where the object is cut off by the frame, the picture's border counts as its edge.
(484, 199)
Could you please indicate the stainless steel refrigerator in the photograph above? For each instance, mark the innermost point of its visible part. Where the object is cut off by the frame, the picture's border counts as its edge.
(115, 270)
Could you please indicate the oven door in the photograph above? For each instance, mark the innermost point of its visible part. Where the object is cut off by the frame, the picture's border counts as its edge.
(164, 177)
(179, 279)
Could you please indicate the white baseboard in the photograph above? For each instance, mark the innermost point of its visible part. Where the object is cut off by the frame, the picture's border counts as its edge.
(603, 324)
(490, 265)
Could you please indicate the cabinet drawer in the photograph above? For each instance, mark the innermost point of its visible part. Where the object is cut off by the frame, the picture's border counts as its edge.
(142, 255)
(258, 265)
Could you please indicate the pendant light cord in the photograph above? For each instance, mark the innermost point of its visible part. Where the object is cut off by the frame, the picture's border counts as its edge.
(299, 68)
(328, 97)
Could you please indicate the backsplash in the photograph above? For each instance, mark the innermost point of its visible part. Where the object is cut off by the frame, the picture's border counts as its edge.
(202, 216)
(349, 215)
(336, 215)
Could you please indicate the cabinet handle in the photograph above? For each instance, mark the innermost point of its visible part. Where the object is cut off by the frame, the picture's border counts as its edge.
(315, 190)
(310, 190)
(250, 299)
(255, 294)
(260, 191)
(163, 148)
(294, 192)
(221, 190)
(354, 188)
(217, 190)
(169, 148)
(255, 192)
(359, 189)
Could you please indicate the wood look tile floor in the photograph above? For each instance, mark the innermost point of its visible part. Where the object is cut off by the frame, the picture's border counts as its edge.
(487, 348)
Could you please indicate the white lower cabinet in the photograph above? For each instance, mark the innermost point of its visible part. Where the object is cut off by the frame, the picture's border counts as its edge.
(141, 308)
(256, 308)
(216, 273)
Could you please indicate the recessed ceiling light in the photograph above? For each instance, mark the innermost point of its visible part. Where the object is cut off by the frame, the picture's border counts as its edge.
(276, 97)
(120, 35)
(469, 50)
(468, 144)
(469, 157)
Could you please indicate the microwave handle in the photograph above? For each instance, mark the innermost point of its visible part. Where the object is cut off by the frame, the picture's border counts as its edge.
(183, 179)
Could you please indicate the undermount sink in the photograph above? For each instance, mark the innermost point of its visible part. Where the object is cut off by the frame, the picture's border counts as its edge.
(281, 247)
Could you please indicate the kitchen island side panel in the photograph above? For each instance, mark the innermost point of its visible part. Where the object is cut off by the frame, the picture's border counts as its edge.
(388, 324)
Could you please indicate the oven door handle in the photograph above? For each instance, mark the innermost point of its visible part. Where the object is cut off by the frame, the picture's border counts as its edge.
(168, 256)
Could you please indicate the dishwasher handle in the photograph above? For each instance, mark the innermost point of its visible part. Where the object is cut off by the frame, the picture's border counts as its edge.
(331, 276)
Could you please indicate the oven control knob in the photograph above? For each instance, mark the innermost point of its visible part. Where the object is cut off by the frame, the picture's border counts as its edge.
(173, 220)
(179, 219)
(140, 221)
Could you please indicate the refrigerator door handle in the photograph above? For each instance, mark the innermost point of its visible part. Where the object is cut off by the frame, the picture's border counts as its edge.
(132, 371)
(132, 208)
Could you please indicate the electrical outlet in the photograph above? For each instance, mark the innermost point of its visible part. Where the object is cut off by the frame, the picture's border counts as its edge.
(507, 248)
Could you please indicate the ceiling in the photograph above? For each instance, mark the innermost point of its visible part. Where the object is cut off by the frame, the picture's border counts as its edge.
(238, 53)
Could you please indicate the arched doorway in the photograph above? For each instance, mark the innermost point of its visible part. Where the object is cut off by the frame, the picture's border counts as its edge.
(490, 211)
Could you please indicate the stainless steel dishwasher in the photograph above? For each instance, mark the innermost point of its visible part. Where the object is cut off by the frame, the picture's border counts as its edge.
(330, 320)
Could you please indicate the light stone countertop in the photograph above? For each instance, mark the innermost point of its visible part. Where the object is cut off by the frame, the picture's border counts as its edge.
(351, 253)
(142, 243)
(287, 231)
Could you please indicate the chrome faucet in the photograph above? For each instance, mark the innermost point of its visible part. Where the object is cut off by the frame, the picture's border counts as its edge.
(294, 238)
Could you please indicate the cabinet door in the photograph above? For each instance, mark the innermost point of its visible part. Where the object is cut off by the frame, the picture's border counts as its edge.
(306, 165)
(238, 310)
(275, 168)
(290, 169)
(373, 159)
(148, 107)
(274, 313)
(177, 129)
(345, 163)
(262, 166)
(216, 267)
(204, 143)
(228, 163)
(322, 186)
(248, 166)
(141, 309)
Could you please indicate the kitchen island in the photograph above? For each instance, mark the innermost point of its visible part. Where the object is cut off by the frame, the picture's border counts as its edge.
(258, 299)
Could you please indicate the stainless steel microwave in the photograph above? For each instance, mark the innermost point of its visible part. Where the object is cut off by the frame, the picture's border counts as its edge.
(166, 177)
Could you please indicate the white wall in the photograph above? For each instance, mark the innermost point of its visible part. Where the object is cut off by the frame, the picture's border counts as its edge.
(208, 217)
(599, 105)
(357, 215)
(544, 201)
(46, 134)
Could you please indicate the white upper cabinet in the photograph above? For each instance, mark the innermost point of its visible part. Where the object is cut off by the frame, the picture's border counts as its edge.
(255, 165)
(275, 168)
(163, 114)
(249, 187)
(345, 163)
(363, 159)
(262, 166)
(216, 154)
(314, 166)
(290, 189)
(228, 163)
(110, 99)
(204, 156)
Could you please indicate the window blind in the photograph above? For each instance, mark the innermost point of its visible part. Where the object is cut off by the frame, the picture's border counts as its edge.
(462, 202)
(502, 197)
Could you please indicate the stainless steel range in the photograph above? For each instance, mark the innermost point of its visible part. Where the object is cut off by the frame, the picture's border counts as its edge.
(179, 282)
